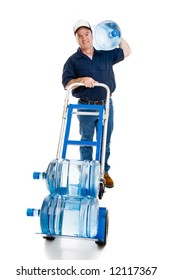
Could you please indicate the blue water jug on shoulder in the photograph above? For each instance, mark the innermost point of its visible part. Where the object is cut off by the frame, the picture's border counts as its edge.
(106, 35)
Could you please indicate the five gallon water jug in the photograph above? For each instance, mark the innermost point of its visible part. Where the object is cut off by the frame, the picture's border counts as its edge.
(72, 177)
(106, 35)
(68, 216)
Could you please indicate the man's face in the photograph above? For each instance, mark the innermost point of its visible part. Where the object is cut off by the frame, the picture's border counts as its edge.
(84, 38)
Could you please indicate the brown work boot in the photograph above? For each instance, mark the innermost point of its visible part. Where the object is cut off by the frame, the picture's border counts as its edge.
(109, 182)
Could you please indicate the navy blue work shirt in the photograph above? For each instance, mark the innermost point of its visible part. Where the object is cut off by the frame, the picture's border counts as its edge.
(100, 68)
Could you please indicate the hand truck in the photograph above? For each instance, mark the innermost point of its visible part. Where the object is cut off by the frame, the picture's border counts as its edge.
(72, 209)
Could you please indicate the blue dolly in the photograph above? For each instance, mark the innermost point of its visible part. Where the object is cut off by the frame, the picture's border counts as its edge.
(72, 207)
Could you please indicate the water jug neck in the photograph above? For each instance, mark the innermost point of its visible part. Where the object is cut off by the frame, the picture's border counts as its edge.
(39, 175)
(31, 212)
(114, 33)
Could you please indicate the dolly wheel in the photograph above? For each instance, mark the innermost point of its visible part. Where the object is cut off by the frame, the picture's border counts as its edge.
(101, 190)
(103, 243)
(49, 238)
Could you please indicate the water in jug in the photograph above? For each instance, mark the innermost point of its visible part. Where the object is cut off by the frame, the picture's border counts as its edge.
(68, 216)
(72, 177)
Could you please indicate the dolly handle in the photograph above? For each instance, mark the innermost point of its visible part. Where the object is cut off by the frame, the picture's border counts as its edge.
(74, 85)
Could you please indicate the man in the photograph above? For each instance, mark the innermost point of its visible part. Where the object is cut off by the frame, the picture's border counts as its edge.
(90, 66)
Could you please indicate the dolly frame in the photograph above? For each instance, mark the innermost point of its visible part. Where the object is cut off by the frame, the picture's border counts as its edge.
(66, 121)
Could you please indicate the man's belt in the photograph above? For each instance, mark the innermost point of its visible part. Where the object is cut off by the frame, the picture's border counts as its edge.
(92, 102)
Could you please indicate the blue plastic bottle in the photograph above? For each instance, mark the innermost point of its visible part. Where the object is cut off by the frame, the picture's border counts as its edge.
(72, 177)
(106, 35)
(68, 216)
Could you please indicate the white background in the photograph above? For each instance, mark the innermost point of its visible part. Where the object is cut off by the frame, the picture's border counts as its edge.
(36, 39)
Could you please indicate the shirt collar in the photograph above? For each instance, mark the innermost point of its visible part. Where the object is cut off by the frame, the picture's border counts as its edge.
(79, 52)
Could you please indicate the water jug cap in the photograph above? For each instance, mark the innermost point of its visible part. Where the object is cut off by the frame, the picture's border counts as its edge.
(36, 175)
(30, 212)
(81, 23)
